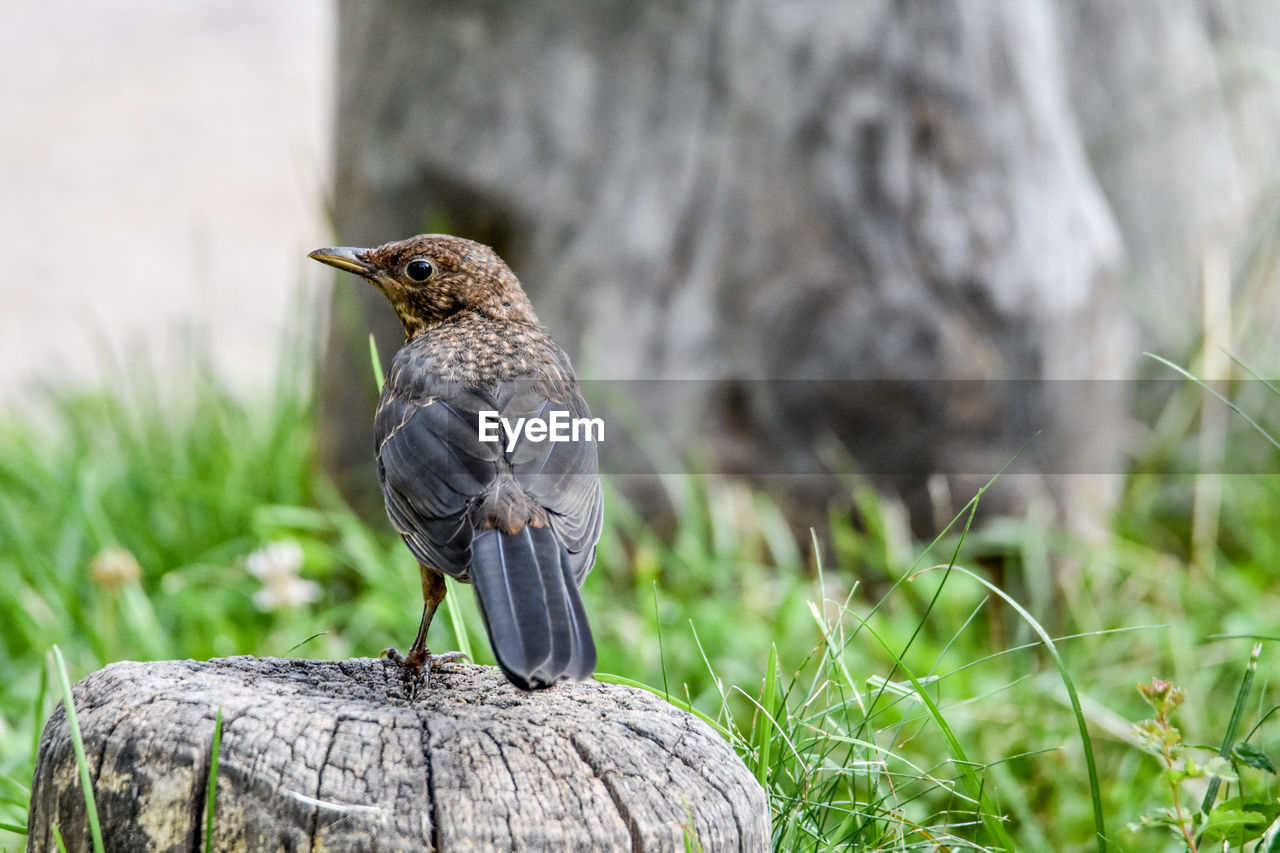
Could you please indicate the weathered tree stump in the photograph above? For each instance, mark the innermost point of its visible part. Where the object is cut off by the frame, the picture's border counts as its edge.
(354, 755)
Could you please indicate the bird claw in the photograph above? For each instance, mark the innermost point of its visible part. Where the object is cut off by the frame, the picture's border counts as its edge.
(449, 657)
(417, 658)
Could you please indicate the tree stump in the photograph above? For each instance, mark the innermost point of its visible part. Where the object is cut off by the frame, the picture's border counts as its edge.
(357, 755)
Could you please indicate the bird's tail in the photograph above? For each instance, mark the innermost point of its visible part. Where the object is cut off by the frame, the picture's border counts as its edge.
(531, 607)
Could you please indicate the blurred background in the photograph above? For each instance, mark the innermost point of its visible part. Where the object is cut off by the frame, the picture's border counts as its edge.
(835, 218)
(165, 170)
(825, 267)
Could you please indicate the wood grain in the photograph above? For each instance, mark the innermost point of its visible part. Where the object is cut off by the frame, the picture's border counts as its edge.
(355, 755)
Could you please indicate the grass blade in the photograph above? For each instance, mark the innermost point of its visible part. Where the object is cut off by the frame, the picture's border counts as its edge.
(212, 802)
(763, 734)
(37, 711)
(456, 621)
(1230, 405)
(1228, 739)
(302, 643)
(662, 653)
(1095, 789)
(1271, 386)
(377, 363)
(77, 743)
(959, 758)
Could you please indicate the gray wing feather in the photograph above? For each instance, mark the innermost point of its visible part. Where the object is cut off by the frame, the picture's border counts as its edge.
(433, 468)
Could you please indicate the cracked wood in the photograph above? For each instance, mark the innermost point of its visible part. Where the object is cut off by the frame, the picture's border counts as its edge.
(351, 755)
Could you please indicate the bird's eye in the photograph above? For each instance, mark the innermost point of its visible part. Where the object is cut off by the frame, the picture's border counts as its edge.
(419, 270)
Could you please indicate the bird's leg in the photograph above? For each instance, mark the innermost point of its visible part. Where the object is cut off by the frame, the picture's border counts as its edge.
(433, 592)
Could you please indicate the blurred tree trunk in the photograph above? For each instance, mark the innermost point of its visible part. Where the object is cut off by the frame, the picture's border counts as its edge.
(1180, 112)
(871, 231)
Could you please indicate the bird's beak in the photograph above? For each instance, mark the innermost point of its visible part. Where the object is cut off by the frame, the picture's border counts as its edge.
(344, 258)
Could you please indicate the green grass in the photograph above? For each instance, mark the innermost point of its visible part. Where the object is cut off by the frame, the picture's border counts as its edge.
(211, 801)
(890, 696)
(77, 743)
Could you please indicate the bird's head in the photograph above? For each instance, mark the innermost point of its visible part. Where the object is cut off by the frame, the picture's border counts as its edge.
(432, 277)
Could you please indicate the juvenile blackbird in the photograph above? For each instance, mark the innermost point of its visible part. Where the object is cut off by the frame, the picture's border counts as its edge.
(518, 519)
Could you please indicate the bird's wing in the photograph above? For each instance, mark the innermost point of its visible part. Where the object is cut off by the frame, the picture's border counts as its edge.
(432, 466)
(562, 476)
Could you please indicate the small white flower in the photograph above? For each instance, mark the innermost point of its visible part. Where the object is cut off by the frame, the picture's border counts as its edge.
(277, 565)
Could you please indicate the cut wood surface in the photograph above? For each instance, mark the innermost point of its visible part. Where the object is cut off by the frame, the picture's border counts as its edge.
(356, 755)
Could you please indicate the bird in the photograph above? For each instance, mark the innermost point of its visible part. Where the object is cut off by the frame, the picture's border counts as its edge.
(517, 518)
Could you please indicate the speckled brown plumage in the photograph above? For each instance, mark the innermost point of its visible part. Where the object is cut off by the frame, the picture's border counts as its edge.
(520, 524)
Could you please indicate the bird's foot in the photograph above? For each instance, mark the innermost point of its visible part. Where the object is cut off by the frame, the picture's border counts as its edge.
(418, 658)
